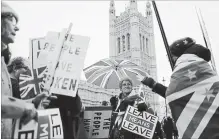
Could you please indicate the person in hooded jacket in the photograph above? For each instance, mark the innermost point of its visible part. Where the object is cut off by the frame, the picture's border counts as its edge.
(188, 54)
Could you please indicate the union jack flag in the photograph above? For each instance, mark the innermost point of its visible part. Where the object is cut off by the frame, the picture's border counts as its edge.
(30, 82)
(194, 99)
(107, 73)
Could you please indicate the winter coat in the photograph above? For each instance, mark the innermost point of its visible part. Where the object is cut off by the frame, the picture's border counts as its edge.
(6, 90)
(115, 131)
(70, 108)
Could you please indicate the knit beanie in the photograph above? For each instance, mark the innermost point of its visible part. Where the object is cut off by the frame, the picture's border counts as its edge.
(7, 10)
(200, 51)
(178, 47)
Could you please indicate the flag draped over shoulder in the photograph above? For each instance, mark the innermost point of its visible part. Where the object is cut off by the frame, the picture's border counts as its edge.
(194, 99)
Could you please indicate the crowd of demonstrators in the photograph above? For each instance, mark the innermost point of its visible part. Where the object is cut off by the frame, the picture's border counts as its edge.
(12, 105)
(183, 51)
(193, 57)
(12, 108)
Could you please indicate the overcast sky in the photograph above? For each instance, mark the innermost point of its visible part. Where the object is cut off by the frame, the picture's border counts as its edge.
(91, 18)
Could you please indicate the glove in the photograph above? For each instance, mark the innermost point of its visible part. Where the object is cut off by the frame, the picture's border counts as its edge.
(149, 82)
(142, 107)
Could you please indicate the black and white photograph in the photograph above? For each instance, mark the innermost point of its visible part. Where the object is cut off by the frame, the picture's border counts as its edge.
(109, 69)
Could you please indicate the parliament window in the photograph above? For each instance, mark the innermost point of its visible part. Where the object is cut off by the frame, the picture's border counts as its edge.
(118, 44)
(140, 42)
(128, 41)
(143, 43)
(123, 42)
(147, 45)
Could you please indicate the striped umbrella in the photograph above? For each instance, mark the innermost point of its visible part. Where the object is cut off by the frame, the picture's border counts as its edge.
(107, 73)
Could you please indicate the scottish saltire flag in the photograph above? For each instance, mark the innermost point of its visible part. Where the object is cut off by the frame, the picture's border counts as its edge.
(194, 99)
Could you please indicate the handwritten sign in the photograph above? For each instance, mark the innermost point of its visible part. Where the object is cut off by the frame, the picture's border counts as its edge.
(53, 43)
(38, 53)
(49, 125)
(70, 65)
(141, 123)
(97, 122)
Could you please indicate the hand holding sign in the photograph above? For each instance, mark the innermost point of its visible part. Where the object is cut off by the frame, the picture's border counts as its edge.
(132, 98)
(45, 103)
(29, 113)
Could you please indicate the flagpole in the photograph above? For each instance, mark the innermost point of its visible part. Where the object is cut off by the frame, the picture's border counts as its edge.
(206, 38)
(163, 35)
(164, 40)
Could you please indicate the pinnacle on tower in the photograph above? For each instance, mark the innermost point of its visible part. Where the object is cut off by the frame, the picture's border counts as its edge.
(133, 4)
(112, 9)
(148, 4)
(148, 9)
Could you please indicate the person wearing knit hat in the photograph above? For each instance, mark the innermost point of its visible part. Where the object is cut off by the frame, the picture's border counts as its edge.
(188, 46)
(193, 78)
(12, 108)
(178, 48)
(9, 26)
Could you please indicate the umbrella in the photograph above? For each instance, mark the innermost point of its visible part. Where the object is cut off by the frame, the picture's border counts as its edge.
(107, 73)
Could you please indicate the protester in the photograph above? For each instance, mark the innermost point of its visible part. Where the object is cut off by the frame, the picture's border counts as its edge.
(12, 108)
(113, 102)
(104, 103)
(158, 133)
(123, 102)
(168, 127)
(193, 81)
(70, 110)
(18, 66)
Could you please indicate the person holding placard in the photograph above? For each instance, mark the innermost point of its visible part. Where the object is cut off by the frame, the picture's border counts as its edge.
(16, 67)
(124, 101)
(12, 108)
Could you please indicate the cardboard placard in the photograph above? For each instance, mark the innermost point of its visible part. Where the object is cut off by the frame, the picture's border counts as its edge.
(141, 123)
(97, 122)
(70, 65)
(49, 126)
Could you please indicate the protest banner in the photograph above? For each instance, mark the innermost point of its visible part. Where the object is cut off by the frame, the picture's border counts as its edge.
(49, 126)
(31, 81)
(54, 43)
(38, 53)
(141, 123)
(97, 122)
(70, 65)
